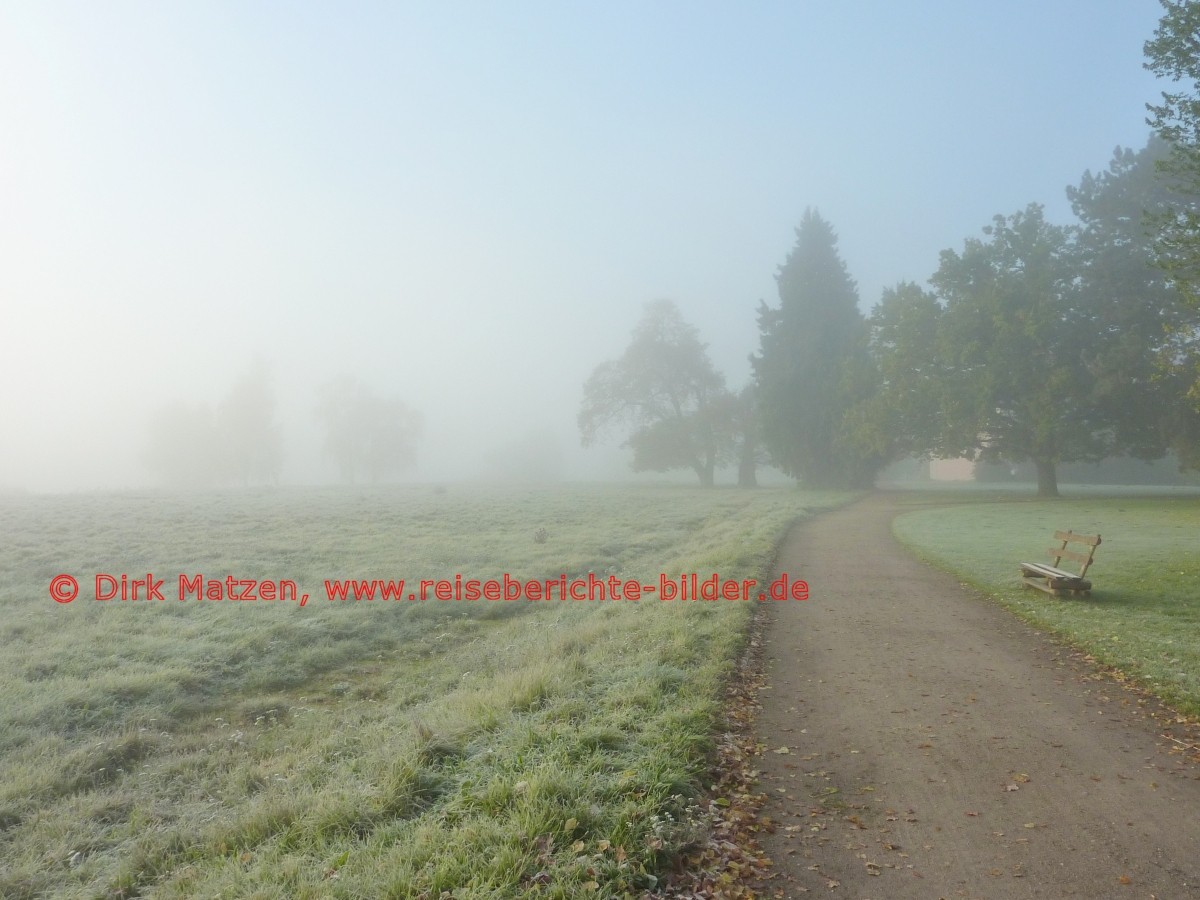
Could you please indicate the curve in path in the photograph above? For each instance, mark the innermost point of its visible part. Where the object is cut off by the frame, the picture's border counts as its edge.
(922, 742)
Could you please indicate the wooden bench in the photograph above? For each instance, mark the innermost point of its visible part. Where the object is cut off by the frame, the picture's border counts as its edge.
(1054, 580)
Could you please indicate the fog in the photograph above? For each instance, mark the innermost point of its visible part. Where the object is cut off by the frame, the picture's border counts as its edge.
(465, 206)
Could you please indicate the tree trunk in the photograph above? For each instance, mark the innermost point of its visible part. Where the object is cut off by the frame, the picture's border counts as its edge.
(705, 471)
(1047, 478)
(746, 467)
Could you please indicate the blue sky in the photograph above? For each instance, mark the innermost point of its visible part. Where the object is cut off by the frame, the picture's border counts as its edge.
(467, 204)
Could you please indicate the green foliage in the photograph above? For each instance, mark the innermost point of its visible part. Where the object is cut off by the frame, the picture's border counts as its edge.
(902, 418)
(1012, 385)
(813, 366)
(664, 388)
(1174, 54)
(1044, 343)
(1145, 337)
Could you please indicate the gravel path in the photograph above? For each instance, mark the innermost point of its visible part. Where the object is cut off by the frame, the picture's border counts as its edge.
(938, 747)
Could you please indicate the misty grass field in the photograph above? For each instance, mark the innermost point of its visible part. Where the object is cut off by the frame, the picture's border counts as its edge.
(1143, 616)
(364, 749)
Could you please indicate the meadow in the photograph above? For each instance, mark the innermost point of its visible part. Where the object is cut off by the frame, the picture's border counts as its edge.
(1143, 615)
(365, 749)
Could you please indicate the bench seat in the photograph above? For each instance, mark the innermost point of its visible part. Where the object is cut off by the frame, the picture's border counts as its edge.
(1058, 581)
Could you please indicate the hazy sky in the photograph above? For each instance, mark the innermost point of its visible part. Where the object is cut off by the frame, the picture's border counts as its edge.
(467, 204)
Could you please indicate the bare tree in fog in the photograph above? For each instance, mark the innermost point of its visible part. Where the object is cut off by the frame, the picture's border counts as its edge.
(365, 434)
(665, 389)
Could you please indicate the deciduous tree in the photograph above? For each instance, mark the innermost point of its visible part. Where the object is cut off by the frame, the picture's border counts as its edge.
(1014, 383)
(665, 390)
(1144, 335)
(1173, 53)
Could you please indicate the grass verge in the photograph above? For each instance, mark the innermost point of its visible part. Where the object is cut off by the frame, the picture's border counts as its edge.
(1143, 616)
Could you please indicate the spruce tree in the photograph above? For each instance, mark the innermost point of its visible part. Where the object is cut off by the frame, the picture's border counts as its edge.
(812, 365)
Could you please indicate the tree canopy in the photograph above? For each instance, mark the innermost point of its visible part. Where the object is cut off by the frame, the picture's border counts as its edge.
(1144, 331)
(1173, 53)
(665, 390)
(1043, 343)
(1013, 383)
(813, 365)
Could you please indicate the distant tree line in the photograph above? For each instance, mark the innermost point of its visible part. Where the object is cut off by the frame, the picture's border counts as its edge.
(1036, 344)
(367, 437)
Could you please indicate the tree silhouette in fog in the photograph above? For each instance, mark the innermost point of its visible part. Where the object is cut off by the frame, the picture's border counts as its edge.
(813, 366)
(665, 390)
(366, 435)
(251, 444)
(191, 445)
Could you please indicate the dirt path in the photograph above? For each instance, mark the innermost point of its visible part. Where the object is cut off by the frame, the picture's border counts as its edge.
(938, 747)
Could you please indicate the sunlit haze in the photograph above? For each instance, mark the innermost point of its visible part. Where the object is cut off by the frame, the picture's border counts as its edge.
(467, 205)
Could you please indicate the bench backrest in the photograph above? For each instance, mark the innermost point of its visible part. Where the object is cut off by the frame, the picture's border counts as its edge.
(1092, 541)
